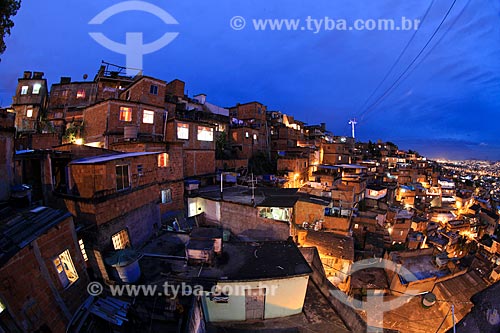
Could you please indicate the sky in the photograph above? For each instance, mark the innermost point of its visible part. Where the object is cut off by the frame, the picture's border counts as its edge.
(445, 106)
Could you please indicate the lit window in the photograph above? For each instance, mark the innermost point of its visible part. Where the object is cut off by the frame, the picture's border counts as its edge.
(255, 137)
(148, 117)
(340, 158)
(36, 88)
(166, 196)
(205, 133)
(247, 135)
(125, 113)
(29, 113)
(163, 160)
(153, 89)
(356, 226)
(2, 307)
(82, 249)
(122, 178)
(120, 240)
(80, 93)
(183, 131)
(65, 269)
(24, 90)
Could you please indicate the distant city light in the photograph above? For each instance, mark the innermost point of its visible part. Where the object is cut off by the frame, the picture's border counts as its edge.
(79, 141)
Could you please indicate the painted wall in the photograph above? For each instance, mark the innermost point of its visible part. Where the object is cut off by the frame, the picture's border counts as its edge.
(284, 297)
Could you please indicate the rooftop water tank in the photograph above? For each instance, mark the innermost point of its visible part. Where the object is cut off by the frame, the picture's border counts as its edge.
(126, 263)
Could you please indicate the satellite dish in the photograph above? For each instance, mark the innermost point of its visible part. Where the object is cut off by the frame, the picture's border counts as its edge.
(85, 76)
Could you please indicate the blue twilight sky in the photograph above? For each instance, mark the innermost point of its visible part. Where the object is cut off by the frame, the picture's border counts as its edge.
(446, 107)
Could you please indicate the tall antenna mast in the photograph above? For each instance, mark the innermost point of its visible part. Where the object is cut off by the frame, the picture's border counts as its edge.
(353, 123)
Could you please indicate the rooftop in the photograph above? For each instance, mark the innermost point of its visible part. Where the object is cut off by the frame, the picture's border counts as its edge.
(329, 243)
(421, 266)
(264, 197)
(111, 157)
(20, 228)
(239, 261)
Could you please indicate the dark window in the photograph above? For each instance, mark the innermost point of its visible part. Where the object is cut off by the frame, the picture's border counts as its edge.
(122, 179)
(153, 89)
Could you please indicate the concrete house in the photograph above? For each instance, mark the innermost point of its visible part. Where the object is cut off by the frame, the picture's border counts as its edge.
(259, 281)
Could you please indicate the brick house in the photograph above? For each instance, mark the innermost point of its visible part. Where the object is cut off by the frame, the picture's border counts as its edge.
(30, 102)
(68, 100)
(170, 171)
(115, 197)
(198, 146)
(117, 120)
(254, 115)
(42, 270)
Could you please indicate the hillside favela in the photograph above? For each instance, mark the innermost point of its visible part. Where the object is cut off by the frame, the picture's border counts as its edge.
(205, 194)
(230, 219)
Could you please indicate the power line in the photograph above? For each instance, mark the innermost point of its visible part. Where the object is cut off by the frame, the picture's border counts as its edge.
(403, 51)
(440, 39)
(444, 319)
(389, 90)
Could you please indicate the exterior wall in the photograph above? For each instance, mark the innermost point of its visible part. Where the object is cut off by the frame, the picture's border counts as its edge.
(25, 123)
(336, 153)
(238, 218)
(175, 88)
(22, 102)
(231, 164)
(308, 212)
(339, 225)
(66, 104)
(400, 231)
(210, 208)
(247, 111)
(140, 224)
(45, 141)
(171, 176)
(26, 291)
(349, 316)
(199, 162)
(177, 188)
(244, 146)
(102, 121)
(198, 156)
(286, 300)
(140, 92)
(7, 132)
(297, 165)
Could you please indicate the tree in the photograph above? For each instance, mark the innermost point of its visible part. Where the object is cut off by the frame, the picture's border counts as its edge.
(8, 8)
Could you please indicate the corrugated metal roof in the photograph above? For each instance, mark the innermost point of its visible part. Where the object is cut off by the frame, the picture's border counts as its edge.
(18, 229)
(107, 158)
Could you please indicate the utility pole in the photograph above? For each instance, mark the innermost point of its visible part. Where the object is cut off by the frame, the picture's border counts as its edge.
(252, 182)
(353, 123)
